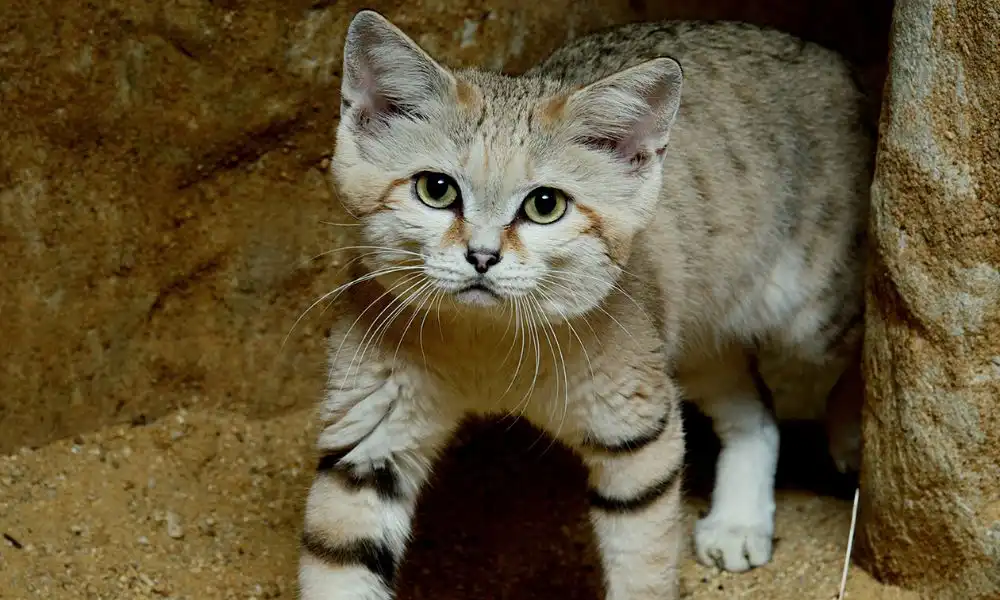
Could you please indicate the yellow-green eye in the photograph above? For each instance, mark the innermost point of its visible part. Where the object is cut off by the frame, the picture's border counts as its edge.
(437, 190)
(545, 205)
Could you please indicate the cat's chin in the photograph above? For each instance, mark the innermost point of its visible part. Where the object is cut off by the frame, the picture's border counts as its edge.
(478, 296)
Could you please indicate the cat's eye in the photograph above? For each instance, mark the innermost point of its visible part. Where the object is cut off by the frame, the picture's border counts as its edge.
(545, 205)
(436, 190)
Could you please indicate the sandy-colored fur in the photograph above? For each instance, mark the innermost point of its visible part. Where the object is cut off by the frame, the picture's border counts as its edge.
(698, 241)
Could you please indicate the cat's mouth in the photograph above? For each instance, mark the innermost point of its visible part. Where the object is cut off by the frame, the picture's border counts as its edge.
(478, 294)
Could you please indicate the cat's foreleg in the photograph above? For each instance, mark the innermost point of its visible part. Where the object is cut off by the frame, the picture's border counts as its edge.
(374, 459)
(737, 533)
(635, 478)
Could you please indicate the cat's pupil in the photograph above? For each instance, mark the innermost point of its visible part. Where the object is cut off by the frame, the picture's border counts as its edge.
(437, 186)
(545, 202)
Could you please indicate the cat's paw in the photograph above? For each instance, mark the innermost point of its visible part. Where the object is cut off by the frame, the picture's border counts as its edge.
(731, 545)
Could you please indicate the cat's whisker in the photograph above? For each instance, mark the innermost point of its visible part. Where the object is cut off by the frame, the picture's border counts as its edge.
(403, 281)
(528, 329)
(602, 310)
(544, 292)
(339, 289)
(560, 360)
(420, 335)
(425, 293)
(389, 292)
(508, 306)
(355, 259)
(380, 323)
(411, 301)
(538, 353)
(518, 331)
(332, 224)
(583, 347)
(547, 285)
(568, 276)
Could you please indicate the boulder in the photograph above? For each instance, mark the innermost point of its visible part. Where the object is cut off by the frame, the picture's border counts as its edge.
(930, 512)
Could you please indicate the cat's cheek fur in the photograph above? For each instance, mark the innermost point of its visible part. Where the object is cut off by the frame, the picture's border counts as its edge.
(574, 271)
(408, 226)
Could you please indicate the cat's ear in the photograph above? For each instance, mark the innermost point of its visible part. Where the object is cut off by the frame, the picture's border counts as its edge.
(386, 74)
(631, 112)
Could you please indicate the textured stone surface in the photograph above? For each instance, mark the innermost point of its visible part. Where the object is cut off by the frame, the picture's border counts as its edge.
(159, 204)
(931, 473)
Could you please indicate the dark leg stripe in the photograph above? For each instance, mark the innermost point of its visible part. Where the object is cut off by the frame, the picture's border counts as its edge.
(592, 442)
(643, 500)
(372, 555)
(381, 478)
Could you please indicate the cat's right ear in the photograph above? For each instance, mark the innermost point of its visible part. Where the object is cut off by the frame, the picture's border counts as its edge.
(386, 74)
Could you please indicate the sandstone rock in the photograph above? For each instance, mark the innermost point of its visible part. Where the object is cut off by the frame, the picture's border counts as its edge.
(930, 515)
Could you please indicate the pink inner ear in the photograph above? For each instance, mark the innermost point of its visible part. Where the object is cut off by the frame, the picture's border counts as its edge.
(634, 147)
(367, 86)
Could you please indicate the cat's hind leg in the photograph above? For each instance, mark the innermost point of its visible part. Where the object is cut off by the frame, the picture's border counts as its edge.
(374, 459)
(736, 535)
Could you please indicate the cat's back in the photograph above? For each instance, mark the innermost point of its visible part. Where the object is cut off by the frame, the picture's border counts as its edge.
(769, 162)
(713, 55)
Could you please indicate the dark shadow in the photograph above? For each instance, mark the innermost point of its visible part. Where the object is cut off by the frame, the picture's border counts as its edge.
(506, 516)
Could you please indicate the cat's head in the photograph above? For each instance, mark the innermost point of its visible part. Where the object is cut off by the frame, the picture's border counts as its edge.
(495, 189)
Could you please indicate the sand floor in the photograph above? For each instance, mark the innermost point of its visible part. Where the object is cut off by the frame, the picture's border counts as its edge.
(206, 505)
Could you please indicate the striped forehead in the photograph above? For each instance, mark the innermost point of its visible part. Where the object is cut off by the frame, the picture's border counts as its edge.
(499, 155)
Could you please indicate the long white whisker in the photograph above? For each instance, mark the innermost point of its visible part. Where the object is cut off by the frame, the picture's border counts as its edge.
(385, 249)
(538, 354)
(518, 330)
(436, 296)
(424, 293)
(610, 316)
(381, 323)
(331, 224)
(586, 355)
(509, 306)
(408, 280)
(529, 338)
(568, 276)
(405, 279)
(336, 291)
(548, 285)
(557, 361)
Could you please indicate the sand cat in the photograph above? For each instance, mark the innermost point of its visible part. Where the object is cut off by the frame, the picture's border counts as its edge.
(629, 223)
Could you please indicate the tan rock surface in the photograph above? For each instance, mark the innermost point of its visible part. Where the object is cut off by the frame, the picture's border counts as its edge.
(932, 421)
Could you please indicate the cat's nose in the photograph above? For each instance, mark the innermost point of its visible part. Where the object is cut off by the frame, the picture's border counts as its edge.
(482, 259)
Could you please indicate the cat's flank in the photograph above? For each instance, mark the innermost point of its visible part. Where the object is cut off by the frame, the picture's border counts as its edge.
(577, 246)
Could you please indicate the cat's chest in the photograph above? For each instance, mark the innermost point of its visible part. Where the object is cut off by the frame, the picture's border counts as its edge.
(510, 379)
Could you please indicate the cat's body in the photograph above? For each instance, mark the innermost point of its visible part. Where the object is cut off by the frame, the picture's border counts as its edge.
(531, 245)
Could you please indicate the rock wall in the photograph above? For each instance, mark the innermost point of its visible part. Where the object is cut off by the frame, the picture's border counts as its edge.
(931, 475)
(160, 209)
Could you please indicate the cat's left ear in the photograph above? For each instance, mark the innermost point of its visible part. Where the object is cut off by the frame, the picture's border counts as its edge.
(631, 112)
(386, 74)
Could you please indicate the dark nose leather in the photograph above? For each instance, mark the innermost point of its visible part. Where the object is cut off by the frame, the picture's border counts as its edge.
(481, 259)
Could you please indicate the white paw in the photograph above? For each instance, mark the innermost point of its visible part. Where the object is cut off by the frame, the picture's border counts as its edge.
(731, 545)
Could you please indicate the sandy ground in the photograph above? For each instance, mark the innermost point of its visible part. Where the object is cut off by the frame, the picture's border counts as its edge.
(206, 505)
